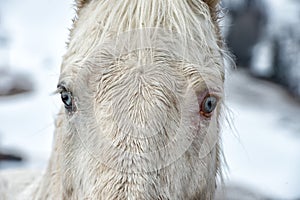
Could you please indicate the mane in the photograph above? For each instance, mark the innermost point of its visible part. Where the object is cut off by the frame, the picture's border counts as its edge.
(176, 15)
(99, 21)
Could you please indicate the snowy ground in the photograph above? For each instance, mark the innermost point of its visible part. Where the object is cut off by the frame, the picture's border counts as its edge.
(37, 32)
(263, 153)
(263, 147)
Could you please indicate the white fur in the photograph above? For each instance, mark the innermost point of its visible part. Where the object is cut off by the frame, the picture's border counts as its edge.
(136, 70)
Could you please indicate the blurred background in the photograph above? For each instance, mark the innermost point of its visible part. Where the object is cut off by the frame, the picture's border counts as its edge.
(262, 142)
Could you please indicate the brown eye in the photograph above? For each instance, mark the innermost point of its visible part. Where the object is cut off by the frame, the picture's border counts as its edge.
(208, 105)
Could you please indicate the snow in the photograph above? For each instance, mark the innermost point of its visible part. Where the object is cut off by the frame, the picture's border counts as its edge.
(265, 151)
(283, 12)
(262, 151)
(37, 31)
(276, 55)
(261, 62)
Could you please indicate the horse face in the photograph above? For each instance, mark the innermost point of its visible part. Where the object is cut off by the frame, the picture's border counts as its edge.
(144, 100)
(140, 107)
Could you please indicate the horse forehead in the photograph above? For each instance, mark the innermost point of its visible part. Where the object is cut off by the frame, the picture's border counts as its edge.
(149, 44)
(140, 76)
(142, 92)
(160, 69)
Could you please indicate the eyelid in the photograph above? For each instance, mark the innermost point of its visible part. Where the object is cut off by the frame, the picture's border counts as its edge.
(60, 88)
(216, 93)
(218, 96)
(63, 87)
(209, 92)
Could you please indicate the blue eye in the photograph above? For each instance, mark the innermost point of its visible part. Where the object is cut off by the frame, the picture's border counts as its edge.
(66, 98)
(208, 105)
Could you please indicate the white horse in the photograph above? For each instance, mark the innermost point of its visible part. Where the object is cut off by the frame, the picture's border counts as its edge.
(142, 87)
